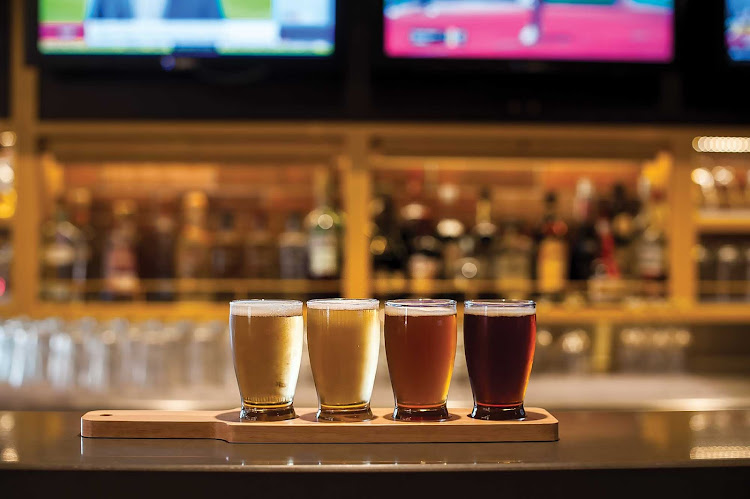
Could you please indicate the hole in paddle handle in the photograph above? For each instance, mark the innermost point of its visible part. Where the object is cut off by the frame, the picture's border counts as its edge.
(104, 415)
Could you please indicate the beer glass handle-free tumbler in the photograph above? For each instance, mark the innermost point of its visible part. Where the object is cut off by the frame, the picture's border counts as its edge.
(499, 341)
(420, 343)
(343, 337)
(267, 338)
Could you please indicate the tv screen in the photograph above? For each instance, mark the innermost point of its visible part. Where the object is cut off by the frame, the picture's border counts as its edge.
(738, 30)
(551, 30)
(193, 28)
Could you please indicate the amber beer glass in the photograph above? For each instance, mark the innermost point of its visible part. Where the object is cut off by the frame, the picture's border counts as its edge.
(499, 340)
(420, 344)
(343, 338)
(267, 338)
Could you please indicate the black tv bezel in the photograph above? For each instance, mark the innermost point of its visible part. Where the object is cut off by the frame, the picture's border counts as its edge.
(154, 62)
(518, 66)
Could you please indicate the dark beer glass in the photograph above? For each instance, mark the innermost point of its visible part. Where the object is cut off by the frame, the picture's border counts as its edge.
(499, 340)
(420, 346)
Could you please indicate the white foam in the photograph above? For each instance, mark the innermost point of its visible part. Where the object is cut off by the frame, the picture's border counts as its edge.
(343, 304)
(266, 308)
(500, 309)
(416, 309)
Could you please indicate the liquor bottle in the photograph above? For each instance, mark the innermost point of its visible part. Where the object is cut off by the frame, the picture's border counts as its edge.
(60, 241)
(727, 187)
(6, 260)
(193, 258)
(226, 253)
(120, 264)
(467, 266)
(261, 257)
(513, 261)
(650, 246)
(449, 230)
(157, 249)
(584, 247)
(623, 229)
(387, 247)
(729, 269)
(552, 252)
(293, 249)
(86, 264)
(484, 233)
(418, 232)
(324, 234)
(605, 283)
(735, 190)
(705, 256)
(8, 193)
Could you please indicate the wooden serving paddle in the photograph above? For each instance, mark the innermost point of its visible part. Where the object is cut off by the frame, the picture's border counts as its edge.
(539, 426)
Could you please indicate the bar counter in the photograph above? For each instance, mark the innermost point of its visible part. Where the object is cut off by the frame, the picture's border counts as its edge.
(599, 454)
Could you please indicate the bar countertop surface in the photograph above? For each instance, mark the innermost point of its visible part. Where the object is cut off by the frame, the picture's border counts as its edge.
(599, 454)
(588, 440)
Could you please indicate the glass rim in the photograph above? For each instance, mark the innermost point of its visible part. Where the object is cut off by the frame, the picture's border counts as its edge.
(500, 308)
(421, 302)
(421, 306)
(266, 308)
(501, 303)
(347, 304)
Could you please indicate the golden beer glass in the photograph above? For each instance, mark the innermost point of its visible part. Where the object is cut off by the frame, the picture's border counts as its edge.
(343, 338)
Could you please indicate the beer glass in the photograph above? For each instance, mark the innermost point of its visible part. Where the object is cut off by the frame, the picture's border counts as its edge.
(420, 344)
(267, 340)
(499, 340)
(343, 338)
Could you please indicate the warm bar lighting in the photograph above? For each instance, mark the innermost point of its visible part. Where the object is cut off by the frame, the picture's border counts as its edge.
(722, 144)
(7, 139)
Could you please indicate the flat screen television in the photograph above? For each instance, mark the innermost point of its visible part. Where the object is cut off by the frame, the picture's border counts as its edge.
(737, 30)
(640, 31)
(190, 28)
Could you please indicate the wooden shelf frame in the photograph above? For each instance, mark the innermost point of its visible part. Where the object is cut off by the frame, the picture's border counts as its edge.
(718, 222)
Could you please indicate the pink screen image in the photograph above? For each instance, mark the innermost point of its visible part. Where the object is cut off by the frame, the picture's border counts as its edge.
(574, 30)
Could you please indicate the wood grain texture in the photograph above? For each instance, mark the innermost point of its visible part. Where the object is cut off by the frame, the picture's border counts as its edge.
(539, 426)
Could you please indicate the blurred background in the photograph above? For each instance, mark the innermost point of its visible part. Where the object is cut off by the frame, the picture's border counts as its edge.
(160, 158)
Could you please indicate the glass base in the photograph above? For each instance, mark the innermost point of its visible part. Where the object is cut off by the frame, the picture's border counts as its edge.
(498, 413)
(344, 415)
(439, 413)
(255, 413)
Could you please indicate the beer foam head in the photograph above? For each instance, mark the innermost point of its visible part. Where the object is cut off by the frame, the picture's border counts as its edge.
(420, 308)
(266, 308)
(343, 304)
(500, 308)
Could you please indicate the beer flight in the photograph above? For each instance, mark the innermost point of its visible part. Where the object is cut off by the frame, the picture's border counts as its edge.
(344, 342)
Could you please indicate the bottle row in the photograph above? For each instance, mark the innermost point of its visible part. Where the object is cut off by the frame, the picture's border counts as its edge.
(722, 187)
(607, 242)
(132, 248)
(602, 248)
